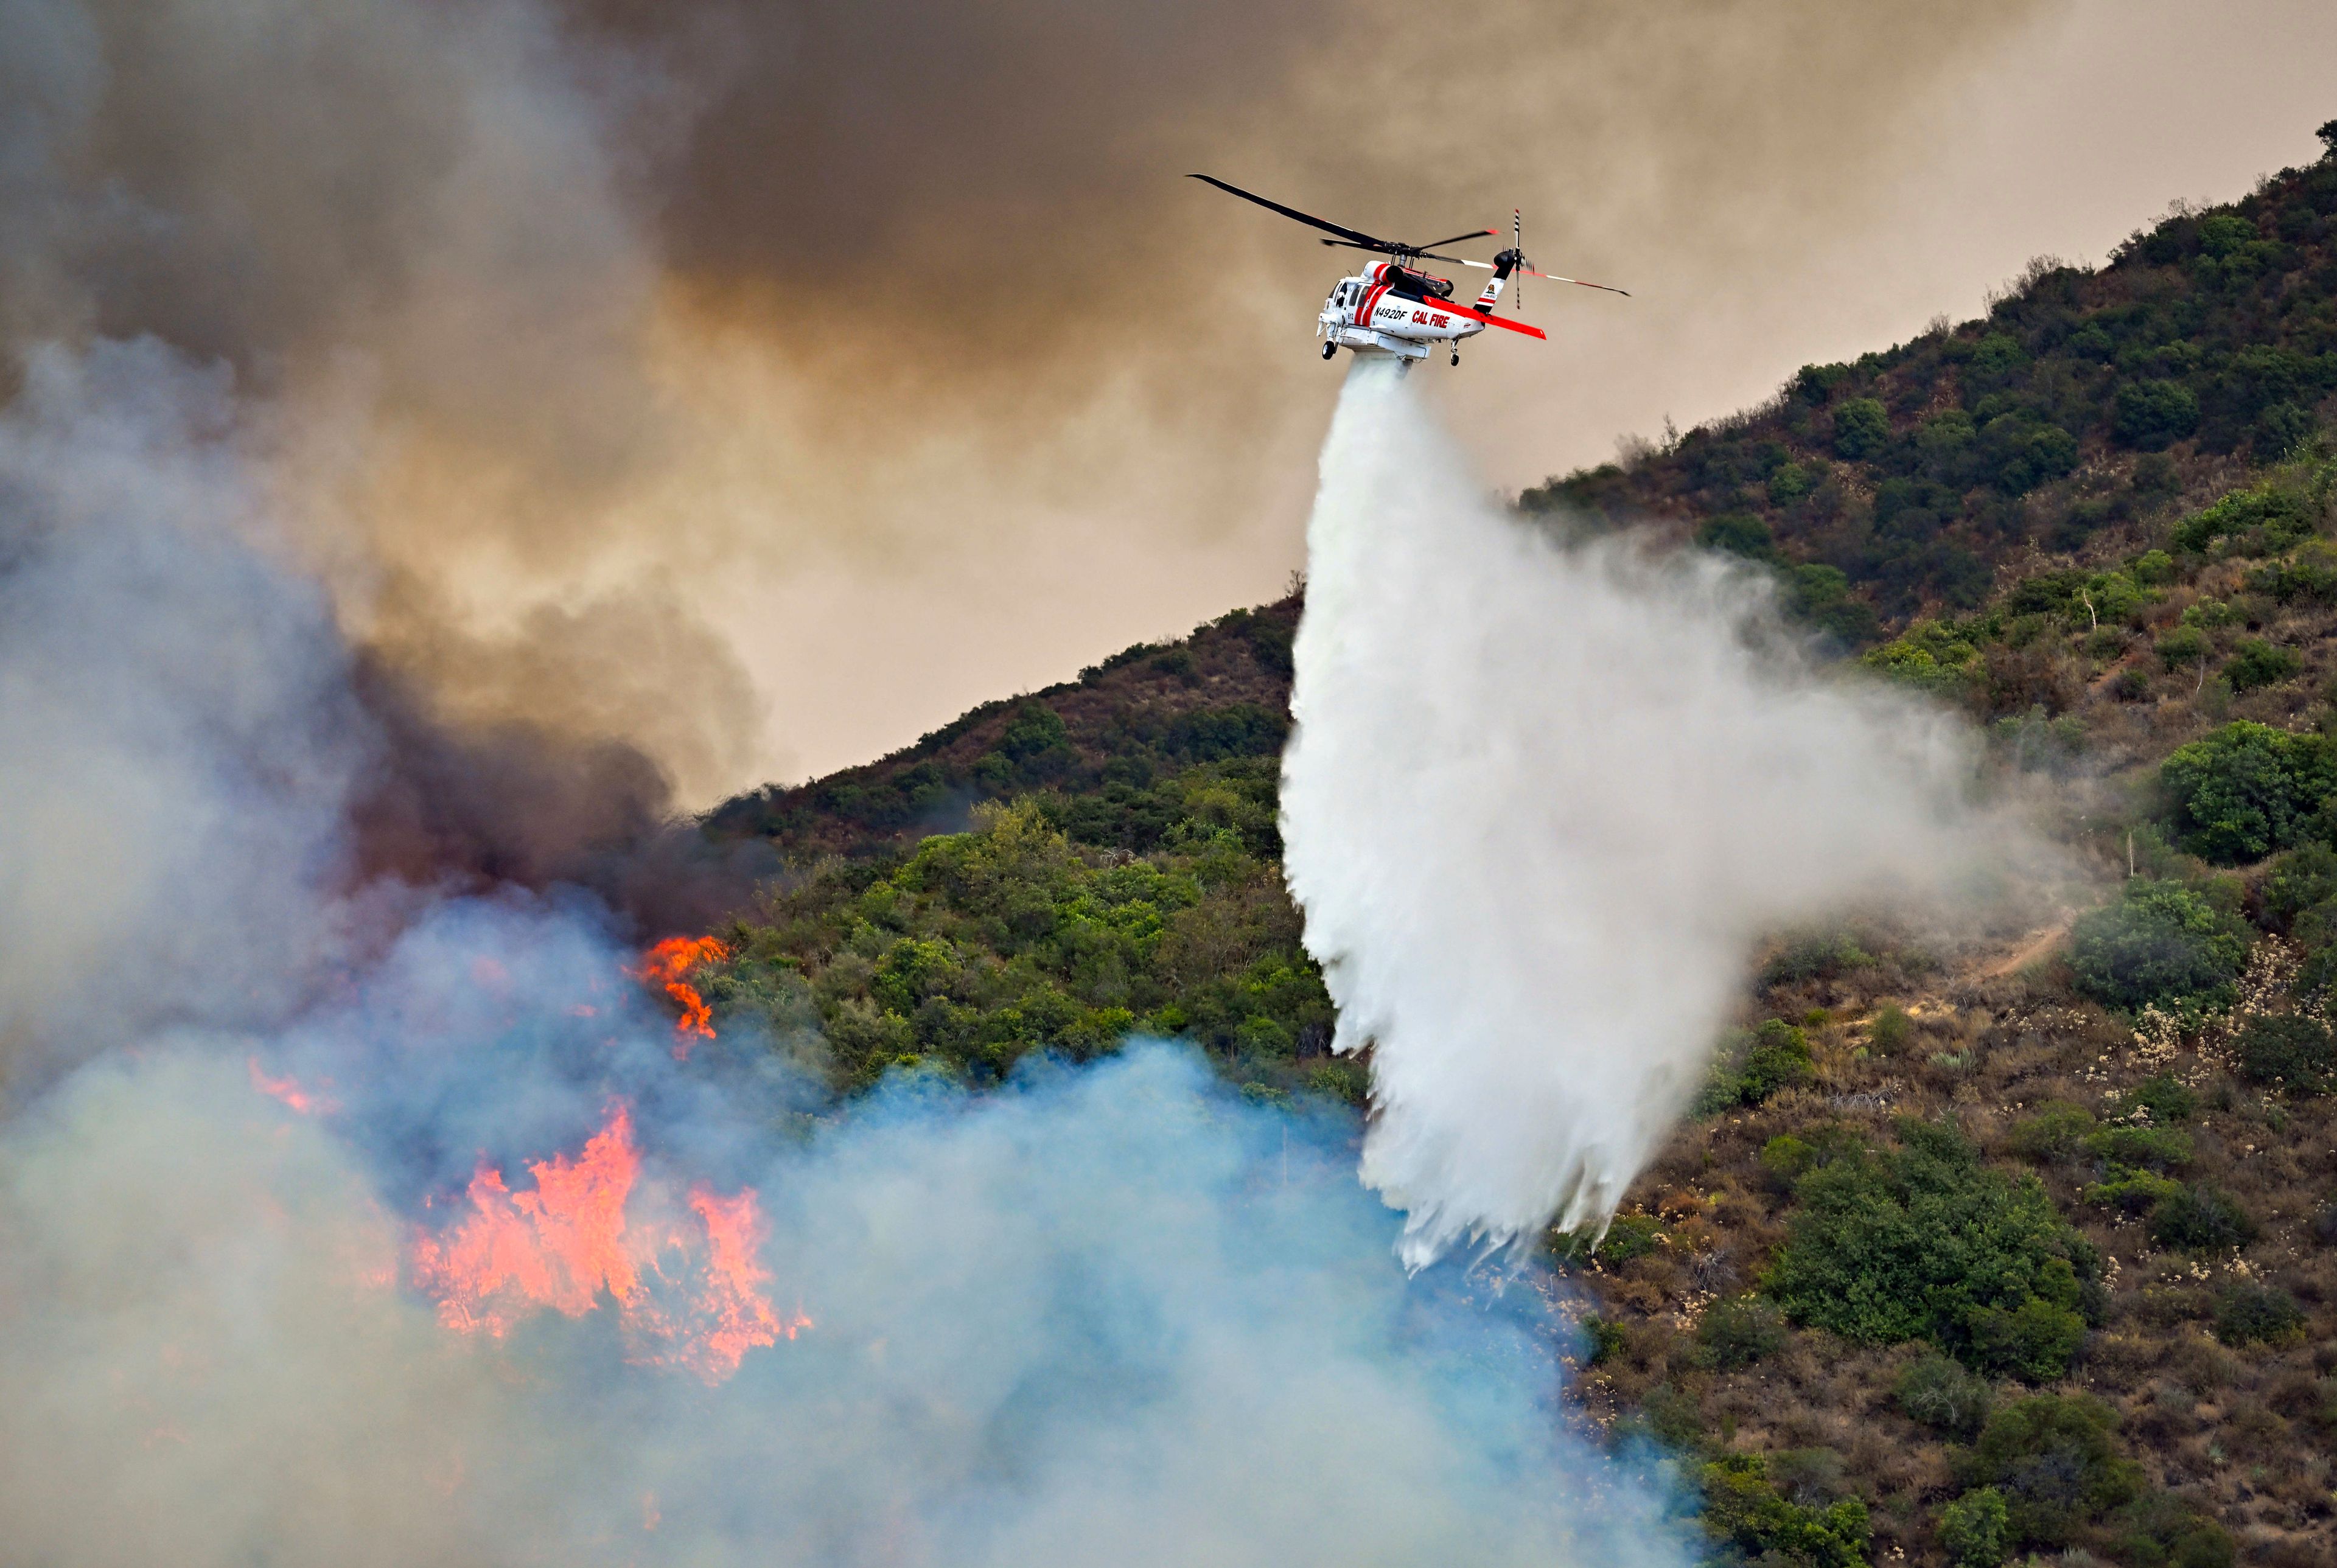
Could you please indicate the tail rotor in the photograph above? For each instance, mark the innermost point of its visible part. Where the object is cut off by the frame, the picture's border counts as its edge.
(1517, 242)
(1510, 266)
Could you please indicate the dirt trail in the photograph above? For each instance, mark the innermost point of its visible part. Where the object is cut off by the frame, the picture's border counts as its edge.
(2034, 946)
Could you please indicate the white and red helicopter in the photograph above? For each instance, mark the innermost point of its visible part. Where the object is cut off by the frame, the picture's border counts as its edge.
(1394, 307)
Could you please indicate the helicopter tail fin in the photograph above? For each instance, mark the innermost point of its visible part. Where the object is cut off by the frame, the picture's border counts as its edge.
(1504, 263)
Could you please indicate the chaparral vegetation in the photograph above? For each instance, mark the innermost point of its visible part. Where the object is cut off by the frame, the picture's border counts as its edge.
(1972, 1252)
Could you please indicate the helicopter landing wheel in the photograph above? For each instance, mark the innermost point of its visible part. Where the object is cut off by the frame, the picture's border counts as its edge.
(1329, 349)
(1456, 356)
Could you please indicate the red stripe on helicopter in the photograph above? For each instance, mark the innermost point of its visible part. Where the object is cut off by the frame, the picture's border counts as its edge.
(1497, 321)
(1373, 296)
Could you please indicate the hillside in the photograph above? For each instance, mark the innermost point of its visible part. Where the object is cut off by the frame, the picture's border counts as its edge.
(1977, 1246)
(2082, 413)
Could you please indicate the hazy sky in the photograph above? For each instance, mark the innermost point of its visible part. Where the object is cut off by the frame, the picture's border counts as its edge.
(765, 383)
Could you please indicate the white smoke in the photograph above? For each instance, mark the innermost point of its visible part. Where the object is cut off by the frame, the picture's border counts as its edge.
(176, 738)
(1542, 800)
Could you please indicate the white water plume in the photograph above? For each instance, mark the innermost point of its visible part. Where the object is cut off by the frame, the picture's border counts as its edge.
(1542, 800)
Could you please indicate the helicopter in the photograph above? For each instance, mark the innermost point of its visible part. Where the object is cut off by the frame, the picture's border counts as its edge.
(1394, 308)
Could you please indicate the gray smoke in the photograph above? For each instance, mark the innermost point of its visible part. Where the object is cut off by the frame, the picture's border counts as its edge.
(177, 738)
(1540, 802)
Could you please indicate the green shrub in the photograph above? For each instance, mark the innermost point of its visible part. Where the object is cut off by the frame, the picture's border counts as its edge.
(1673, 1415)
(2278, 430)
(1821, 955)
(2054, 1132)
(2303, 879)
(1941, 665)
(1627, 1236)
(1976, 1529)
(1340, 1079)
(2246, 790)
(1754, 1065)
(2161, 944)
(2150, 415)
(2254, 1314)
(1738, 533)
(2256, 663)
(1862, 428)
(1737, 1332)
(2289, 1051)
(1779, 1059)
(2201, 1219)
(2309, 576)
(1944, 1395)
(2211, 613)
(2134, 1192)
(1741, 1507)
(1892, 1030)
(2316, 977)
(2184, 646)
(2165, 1097)
(2032, 1340)
(2140, 1148)
(1788, 1159)
(2268, 517)
(2020, 451)
(2160, 1529)
(1821, 595)
(1817, 382)
(1602, 1341)
(1925, 1242)
(2055, 1460)
(1791, 481)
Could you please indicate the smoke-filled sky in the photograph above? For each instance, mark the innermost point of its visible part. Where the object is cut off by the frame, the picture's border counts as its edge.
(761, 386)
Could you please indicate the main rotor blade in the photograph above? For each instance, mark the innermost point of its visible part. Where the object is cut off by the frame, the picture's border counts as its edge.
(1457, 239)
(1354, 237)
(1416, 255)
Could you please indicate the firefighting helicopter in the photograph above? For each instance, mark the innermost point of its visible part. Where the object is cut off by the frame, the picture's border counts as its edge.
(1392, 308)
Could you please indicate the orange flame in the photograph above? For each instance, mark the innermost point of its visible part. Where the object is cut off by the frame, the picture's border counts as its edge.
(565, 1244)
(665, 965)
(289, 1090)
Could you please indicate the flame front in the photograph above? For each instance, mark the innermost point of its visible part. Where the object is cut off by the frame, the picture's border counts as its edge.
(666, 965)
(685, 1296)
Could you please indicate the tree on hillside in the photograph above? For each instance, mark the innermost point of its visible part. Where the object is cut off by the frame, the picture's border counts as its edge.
(2159, 945)
(1923, 1241)
(2246, 790)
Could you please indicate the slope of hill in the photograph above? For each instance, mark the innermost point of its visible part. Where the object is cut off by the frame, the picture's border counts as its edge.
(1977, 1247)
(2084, 404)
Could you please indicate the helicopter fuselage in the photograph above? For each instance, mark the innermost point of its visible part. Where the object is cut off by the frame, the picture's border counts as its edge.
(1389, 309)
